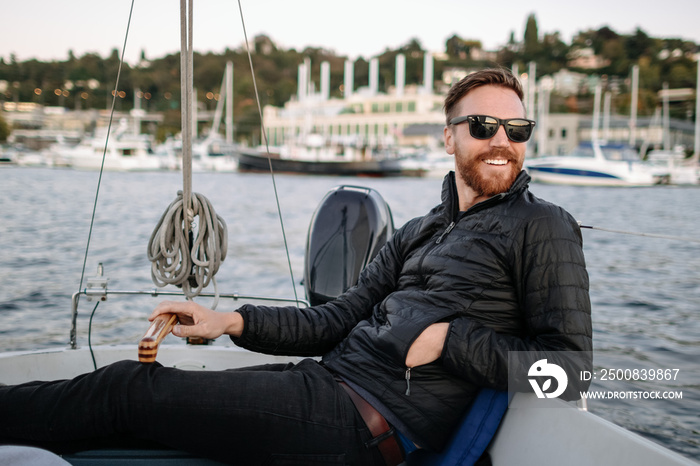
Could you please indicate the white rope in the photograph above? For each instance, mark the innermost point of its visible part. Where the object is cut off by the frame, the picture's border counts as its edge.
(180, 256)
(173, 262)
(186, 95)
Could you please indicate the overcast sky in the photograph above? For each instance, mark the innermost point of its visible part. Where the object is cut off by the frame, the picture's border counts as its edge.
(46, 29)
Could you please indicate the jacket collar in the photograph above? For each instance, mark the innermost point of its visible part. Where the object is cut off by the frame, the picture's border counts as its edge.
(450, 198)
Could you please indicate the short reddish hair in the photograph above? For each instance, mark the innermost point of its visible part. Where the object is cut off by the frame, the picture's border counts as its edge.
(494, 76)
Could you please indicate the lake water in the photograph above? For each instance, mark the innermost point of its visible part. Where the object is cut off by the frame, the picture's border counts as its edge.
(645, 293)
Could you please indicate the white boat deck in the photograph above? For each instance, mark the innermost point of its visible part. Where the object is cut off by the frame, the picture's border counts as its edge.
(529, 433)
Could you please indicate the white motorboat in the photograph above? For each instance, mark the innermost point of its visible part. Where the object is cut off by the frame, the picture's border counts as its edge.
(433, 163)
(7, 157)
(214, 154)
(597, 164)
(123, 151)
(681, 171)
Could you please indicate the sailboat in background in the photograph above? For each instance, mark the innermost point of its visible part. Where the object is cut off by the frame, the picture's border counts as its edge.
(214, 152)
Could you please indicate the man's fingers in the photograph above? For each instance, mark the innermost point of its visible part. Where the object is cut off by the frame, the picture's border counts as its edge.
(182, 330)
(171, 307)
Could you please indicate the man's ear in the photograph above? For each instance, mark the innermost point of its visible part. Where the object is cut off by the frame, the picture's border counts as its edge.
(449, 140)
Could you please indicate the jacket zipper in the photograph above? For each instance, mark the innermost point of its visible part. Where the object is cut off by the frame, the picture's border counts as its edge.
(450, 227)
(447, 231)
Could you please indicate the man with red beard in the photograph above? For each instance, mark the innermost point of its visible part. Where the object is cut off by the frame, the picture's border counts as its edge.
(433, 319)
(487, 162)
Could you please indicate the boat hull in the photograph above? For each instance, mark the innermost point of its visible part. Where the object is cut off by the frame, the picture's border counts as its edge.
(569, 171)
(253, 161)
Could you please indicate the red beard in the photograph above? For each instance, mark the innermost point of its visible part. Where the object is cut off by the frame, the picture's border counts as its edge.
(469, 170)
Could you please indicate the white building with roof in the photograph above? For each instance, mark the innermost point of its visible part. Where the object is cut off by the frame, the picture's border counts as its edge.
(363, 116)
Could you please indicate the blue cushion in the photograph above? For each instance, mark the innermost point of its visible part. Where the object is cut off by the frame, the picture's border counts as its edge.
(472, 436)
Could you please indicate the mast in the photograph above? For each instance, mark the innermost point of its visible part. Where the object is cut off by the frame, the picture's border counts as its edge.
(666, 119)
(606, 115)
(225, 99)
(400, 79)
(229, 102)
(543, 89)
(531, 83)
(633, 105)
(696, 147)
(596, 113)
(530, 96)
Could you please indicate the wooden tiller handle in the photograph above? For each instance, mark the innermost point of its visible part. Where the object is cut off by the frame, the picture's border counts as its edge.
(148, 346)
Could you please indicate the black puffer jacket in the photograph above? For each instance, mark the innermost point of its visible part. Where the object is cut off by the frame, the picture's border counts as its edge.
(508, 274)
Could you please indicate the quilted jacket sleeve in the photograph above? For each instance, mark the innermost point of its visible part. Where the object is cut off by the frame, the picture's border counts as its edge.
(313, 331)
(555, 306)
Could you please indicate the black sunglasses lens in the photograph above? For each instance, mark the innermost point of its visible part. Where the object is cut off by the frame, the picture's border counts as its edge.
(482, 127)
(486, 127)
(518, 130)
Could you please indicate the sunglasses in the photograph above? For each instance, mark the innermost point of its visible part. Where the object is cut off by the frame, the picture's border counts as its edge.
(486, 127)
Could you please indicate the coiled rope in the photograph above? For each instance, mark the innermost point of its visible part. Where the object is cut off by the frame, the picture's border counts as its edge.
(180, 258)
(182, 253)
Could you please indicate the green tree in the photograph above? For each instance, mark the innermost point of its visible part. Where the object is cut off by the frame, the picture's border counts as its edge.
(531, 40)
(614, 51)
(638, 45)
(552, 54)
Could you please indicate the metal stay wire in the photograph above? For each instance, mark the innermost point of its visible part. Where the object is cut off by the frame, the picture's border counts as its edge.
(646, 235)
(267, 149)
(104, 152)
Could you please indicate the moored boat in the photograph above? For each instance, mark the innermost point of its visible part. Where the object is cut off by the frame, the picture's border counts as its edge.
(596, 164)
(433, 163)
(6, 157)
(123, 151)
(316, 157)
(681, 171)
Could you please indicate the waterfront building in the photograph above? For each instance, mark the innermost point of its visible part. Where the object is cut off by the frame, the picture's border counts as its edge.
(363, 117)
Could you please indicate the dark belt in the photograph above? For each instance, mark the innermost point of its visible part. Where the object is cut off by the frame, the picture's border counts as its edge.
(383, 435)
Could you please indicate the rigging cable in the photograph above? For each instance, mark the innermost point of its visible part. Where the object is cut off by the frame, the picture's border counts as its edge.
(104, 152)
(99, 180)
(267, 149)
(178, 256)
(633, 233)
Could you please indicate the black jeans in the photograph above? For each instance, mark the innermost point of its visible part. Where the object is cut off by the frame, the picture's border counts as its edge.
(272, 414)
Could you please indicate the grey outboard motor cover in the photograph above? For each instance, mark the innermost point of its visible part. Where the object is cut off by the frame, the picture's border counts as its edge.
(349, 227)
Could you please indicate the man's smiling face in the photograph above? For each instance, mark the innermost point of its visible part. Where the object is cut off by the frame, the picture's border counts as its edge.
(487, 166)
